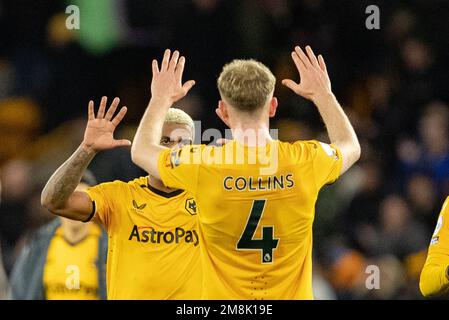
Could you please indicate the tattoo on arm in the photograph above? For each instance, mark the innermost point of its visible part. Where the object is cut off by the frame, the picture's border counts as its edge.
(66, 178)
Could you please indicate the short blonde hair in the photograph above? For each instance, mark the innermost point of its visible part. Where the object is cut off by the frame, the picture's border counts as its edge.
(246, 84)
(175, 115)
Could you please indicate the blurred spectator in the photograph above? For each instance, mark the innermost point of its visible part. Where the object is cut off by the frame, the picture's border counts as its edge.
(346, 271)
(398, 232)
(63, 260)
(15, 177)
(362, 214)
(423, 199)
(431, 156)
(401, 24)
(291, 130)
(20, 120)
(322, 289)
(392, 279)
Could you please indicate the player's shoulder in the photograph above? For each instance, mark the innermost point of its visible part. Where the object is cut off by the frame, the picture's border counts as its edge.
(139, 181)
(186, 152)
(441, 223)
(116, 185)
(210, 150)
(112, 184)
(310, 148)
(445, 207)
(314, 144)
(303, 149)
(201, 153)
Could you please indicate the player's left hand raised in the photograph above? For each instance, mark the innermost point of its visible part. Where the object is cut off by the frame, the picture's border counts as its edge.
(167, 80)
(315, 82)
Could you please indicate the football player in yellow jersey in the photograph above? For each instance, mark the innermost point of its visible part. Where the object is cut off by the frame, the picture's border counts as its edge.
(153, 250)
(256, 195)
(435, 274)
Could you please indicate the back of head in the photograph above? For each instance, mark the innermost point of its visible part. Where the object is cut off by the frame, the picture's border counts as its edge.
(246, 85)
(175, 115)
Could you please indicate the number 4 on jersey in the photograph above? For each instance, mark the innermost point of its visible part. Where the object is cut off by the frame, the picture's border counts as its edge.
(267, 243)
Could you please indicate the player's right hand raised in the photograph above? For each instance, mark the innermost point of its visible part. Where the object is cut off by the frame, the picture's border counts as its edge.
(99, 134)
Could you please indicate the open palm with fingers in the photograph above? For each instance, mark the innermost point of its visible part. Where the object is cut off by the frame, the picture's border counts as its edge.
(99, 134)
(314, 79)
(167, 80)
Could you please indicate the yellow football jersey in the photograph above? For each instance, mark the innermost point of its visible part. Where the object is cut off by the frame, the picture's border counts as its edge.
(434, 280)
(153, 246)
(256, 212)
(70, 271)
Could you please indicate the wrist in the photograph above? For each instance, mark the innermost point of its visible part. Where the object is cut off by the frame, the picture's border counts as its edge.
(161, 101)
(323, 99)
(88, 148)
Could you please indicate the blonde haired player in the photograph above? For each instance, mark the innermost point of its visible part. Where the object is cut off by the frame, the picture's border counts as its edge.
(153, 247)
(255, 224)
(435, 274)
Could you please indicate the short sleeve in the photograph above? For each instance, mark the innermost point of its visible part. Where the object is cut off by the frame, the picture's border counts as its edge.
(178, 168)
(103, 196)
(326, 160)
(440, 237)
(434, 280)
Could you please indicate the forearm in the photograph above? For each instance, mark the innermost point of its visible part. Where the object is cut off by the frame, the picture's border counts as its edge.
(145, 148)
(340, 131)
(337, 123)
(66, 178)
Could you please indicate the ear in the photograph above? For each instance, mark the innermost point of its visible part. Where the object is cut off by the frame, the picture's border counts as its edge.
(222, 112)
(273, 107)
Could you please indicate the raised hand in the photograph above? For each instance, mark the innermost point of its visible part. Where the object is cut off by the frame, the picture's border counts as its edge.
(99, 134)
(315, 82)
(167, 81)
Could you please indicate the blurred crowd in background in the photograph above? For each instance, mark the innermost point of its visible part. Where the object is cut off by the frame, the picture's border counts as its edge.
(391, 82)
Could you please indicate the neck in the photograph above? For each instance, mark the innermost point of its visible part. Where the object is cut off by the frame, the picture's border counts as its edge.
(74, 231)
(252, 132)
(157, 184)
